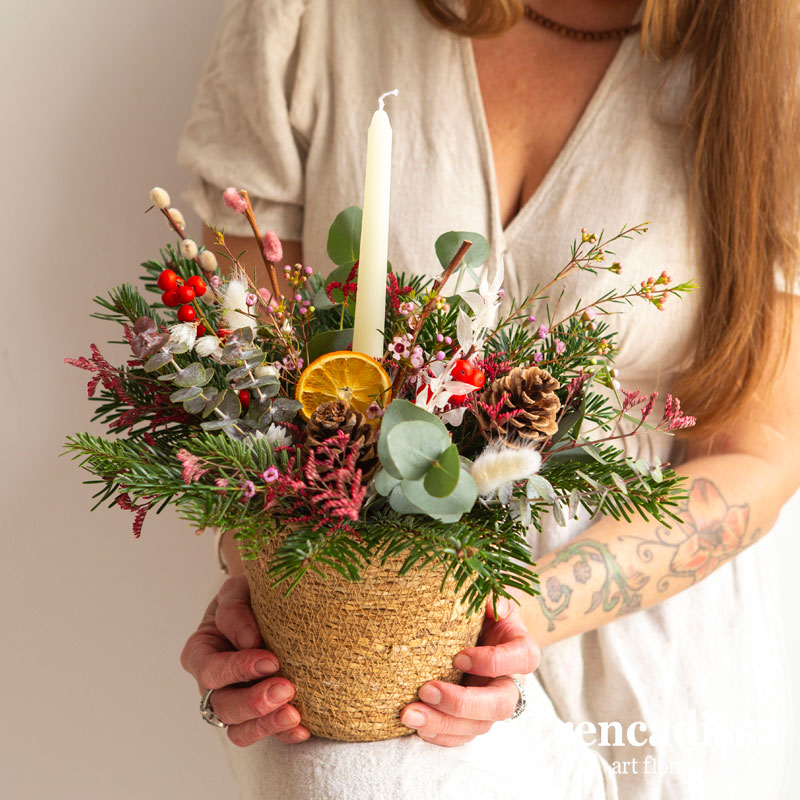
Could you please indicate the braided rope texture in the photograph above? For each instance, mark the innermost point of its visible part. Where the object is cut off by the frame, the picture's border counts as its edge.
(358, 652)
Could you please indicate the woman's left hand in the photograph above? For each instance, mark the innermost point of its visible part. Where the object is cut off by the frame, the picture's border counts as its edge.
(450, 714)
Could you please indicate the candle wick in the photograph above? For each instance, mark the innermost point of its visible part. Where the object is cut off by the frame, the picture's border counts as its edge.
(386, 94)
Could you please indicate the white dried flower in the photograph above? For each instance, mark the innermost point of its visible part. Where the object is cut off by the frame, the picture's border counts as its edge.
(177, 218)
(207, 346)
(159, 197)
(183, 333)
(189, 248)
(278, 436)
(234, 304)
(266, 370)
(208, 261)
(498, 465)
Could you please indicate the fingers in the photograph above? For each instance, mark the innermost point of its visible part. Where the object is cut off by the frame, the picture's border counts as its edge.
(447, 740)
(508, 649)
(234, 616)
(495, 701)
(234, 705)
(284, 720)
(294, 735)
(429, 722)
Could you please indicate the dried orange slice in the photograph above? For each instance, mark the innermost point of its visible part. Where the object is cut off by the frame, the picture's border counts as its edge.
(342, 375)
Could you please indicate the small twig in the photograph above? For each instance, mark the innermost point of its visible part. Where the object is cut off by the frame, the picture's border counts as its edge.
(273, 276)
(400, 375)
(177, 228)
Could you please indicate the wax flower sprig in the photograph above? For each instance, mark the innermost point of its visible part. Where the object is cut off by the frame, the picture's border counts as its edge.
(245, 406)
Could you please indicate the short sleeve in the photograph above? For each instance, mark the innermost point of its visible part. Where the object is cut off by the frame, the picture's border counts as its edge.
(239, 131)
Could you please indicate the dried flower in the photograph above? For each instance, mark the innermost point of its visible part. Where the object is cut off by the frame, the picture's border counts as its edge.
(373, 411)
(270, 475)
(207, 346)
(234, 200)
(177, 217)
(159, 197)
(250, 299)
(266, 369)
(208, 261)
(147, 339)
(273, 249)
(192, 466)
(248, 490)
(278, 436)
(234, 302)
(543, 331)
(184, 333)
(498, 465)
(188, 248)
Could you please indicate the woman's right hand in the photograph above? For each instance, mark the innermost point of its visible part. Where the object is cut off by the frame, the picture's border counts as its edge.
(223, 651)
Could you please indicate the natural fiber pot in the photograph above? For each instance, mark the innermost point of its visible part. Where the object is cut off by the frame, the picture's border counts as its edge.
(357, 652)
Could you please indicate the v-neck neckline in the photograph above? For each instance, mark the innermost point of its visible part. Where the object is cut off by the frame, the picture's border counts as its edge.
(564, 156)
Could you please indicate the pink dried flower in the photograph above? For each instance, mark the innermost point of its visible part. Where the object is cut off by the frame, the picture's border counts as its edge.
(234, 200)
(270, 474)
(538, 357)
(374, 411)
(248, 490)
(192, 469)
(251, 299)
(560, 346)
(417, 357)
(543, 331)
(273, 249)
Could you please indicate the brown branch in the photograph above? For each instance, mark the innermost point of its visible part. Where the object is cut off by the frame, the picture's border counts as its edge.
(400, 376)
(273, 276)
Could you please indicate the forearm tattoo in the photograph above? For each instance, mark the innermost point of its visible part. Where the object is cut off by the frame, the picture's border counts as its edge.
(713, 532)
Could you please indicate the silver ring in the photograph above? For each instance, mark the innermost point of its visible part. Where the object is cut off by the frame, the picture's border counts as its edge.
(522, 703)
(208, 712)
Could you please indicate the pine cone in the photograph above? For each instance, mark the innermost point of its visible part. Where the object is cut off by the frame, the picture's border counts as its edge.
(529, 389)
(337, 415)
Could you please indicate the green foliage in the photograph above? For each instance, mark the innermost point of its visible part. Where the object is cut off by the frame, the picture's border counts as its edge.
(344, 237)
(447, 246)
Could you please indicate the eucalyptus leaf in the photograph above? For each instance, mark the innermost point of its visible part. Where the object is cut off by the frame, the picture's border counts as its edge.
(322, 302)
(558, 514)
(217, 424)
(447, 246)
(449, 508)
(344, 237)
(574, 500)
(656, 474)
(401, 504)
(284, 409)
(194, 375)
(186, 394)
(214, 399)
(400, 411)
(385, 483)
(237, 372)
(619, 483)
(442, 478)
(415, 446)
(570, 424)
(539, 487)
(157, 361)
(177, 348)
(229, 406)
(195, 404)
(328, 342)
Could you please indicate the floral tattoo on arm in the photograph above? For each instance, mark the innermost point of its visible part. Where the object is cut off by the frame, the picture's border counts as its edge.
(713, 532)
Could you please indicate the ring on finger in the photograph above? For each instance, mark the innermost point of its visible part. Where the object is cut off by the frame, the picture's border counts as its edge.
(207, 711)
(522, 703)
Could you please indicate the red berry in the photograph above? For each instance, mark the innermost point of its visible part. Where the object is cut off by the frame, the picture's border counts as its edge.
(201, 329)
(187, 314)
(244, 399)
(198, 284)
(170, 298)
(185, 294)
(462, 371)
(458, 399)
(477, 379)
(167, 280)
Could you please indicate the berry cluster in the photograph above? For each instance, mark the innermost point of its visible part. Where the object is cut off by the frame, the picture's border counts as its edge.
(177, 292)
(464, 372)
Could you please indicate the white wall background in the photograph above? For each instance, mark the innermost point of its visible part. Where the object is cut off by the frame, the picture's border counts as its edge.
(94, 701)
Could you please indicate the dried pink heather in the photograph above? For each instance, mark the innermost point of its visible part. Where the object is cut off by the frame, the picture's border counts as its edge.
(192, 469)
(273, 249)
(234, 200)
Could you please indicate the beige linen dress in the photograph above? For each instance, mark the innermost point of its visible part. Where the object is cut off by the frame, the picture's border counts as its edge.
(282, 110)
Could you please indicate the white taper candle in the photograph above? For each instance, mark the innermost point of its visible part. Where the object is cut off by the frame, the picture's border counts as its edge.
(374, 250)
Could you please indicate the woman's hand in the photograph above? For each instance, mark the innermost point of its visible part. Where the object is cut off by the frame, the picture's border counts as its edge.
(223, 653)
(450, 714)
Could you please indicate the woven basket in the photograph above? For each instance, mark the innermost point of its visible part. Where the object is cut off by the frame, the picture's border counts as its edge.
(358, 652)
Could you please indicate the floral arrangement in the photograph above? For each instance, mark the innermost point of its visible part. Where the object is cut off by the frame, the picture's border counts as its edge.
(245, 407)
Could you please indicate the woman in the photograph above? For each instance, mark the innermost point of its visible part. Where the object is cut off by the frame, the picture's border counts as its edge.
(513, 125)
